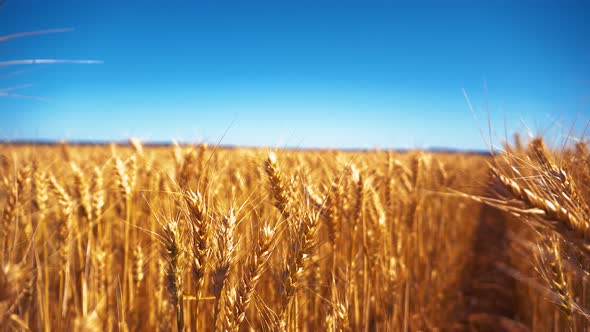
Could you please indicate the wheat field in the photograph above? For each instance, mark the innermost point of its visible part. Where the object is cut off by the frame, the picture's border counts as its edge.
(204, 238)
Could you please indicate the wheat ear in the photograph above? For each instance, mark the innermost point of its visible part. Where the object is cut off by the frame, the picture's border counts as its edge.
(238, 300)
(300, 253)
(174, 270)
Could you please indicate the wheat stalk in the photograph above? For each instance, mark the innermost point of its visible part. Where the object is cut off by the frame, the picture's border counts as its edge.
(223, 257)
(199, 244)
(299, 255)
(173, 254)
(238, 299)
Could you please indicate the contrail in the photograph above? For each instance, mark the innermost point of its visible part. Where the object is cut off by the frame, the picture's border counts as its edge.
(45, 61)
(6, 92)
(34, 33)
(18, 87)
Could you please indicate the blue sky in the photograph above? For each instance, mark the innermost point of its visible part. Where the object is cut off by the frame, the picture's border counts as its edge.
(324, 73)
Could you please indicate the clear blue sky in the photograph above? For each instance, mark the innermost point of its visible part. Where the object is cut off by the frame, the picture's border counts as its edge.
(323, 73)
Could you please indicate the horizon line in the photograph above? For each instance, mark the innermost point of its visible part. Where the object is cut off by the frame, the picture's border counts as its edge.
(157, 144)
